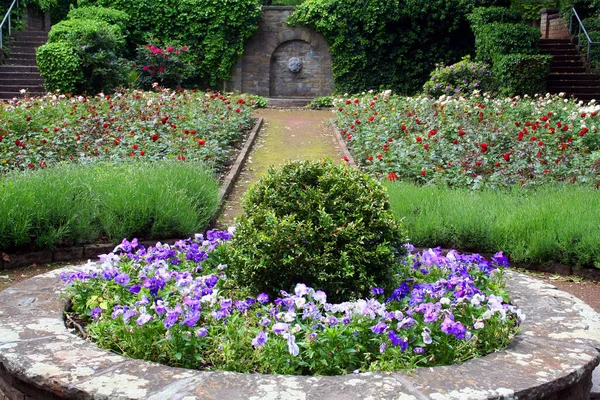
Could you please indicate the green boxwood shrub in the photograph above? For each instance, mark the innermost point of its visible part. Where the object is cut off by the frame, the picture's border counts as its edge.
(99, 47)
(482, 16)
(521, 73)
(108, 15)
(501, 38)
(60, 66)
(324, 225)
(461, 78)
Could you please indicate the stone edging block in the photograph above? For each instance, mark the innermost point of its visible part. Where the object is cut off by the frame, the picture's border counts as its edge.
(552, 358)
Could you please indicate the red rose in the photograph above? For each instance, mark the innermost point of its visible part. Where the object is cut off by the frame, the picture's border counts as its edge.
(392, 176)
(423, 173)
(155, 137)
(506, 157)
(484, 147)
(201, 142)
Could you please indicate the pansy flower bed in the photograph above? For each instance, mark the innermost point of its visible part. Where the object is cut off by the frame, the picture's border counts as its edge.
(175, 305)
(132, 124)
(475, 141)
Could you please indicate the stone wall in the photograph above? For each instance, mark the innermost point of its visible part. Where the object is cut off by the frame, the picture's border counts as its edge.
(553, 25)
(264, 68)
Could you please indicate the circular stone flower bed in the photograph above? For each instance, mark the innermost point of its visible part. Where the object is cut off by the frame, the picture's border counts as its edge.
(552, 358)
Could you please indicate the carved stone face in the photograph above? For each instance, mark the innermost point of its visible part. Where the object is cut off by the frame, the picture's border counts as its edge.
(295, 64)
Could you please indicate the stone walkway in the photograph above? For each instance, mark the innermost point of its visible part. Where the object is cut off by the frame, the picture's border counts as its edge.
(286, 135)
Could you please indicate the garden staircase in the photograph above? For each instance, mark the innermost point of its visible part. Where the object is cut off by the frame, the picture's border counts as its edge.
(20, 70)
(569, 73)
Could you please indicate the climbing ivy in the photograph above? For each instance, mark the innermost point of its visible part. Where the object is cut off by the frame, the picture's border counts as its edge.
(390, 44)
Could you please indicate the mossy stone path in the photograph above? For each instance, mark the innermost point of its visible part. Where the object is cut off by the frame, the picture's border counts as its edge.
(286, 135)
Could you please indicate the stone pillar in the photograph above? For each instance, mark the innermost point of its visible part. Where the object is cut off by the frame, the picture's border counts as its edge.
(553, 25)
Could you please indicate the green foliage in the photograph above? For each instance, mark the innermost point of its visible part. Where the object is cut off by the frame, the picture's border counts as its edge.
(522, 73)
(43, 5)
(594, 48)
(482, 16)
(592, 24)
(324, 225)
(461, 78)
(60, 66)
(530, 9)
(321, 102)
(60, 11)
(503, 38)
(215, 32)
(71, 204)
(389, 44)
(281, 2)
(108, 15)
(551, 224)
(167, 66)
(99, 47)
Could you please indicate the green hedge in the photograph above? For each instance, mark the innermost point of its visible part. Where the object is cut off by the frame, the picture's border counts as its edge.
(499, 38)
(461, 78)
(482, 16)
(521, 73)
(551, 224)
(73, 204)
(389, 44)
(60, 66)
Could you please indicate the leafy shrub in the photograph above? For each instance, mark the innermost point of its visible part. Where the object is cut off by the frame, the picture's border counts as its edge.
(530, 9)
(99, 47)
(214, 33)
(71, 204)
(594, 48)
(60, 66)
(389, 44)
(522, 73)
(482, 16)
(461, 78)
(167, 66)
(591, 24)
(501, 38)
(313, 222)
(321, 102)
(108, 15)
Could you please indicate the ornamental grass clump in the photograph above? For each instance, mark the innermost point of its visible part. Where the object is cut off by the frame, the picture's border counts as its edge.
(322, 224)
(175, 305)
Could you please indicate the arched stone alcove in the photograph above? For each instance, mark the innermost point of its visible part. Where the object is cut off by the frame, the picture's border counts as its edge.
(264, 70)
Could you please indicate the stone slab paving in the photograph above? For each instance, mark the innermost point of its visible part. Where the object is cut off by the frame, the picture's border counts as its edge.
(552, 359)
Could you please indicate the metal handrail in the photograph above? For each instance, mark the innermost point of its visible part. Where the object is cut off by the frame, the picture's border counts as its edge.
(581, 29)
(7, 18)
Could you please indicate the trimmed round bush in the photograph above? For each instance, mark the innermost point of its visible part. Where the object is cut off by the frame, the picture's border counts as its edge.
(317, 223)
(106, 14)
(60, 66)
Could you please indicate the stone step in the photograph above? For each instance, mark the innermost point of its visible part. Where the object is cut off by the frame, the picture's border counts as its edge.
(21, 82)
(572, 52)
(569, 77)
(21, 62)
(568, 64)
(279, 102)
(19, 55)
(575, 89)
(21, 50)
(18, 68)
(555, 41)
(557, 47)
(567, 58)
(579, 70)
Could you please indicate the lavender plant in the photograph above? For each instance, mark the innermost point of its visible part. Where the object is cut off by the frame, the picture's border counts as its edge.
(175, 305)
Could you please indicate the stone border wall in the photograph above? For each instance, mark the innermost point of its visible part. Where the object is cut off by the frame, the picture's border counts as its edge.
(553, 25)
(90, 251)
(552, 359)
(252, 72)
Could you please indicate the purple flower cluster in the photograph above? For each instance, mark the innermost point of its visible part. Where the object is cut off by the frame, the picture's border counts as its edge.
(441, 298)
